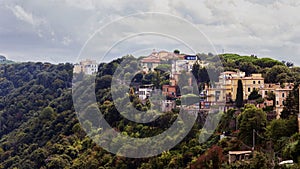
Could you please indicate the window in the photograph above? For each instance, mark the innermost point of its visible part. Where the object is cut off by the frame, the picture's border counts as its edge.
(249, 89)
(258, 82)
(266, 92)
(253, 82)
(282, 94)
(277, 102)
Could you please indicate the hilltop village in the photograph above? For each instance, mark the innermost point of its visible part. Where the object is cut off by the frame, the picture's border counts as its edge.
(40, 127)
(259, 97)
(268, 96)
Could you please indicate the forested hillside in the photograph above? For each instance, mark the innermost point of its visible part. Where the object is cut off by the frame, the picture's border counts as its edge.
(40, 129)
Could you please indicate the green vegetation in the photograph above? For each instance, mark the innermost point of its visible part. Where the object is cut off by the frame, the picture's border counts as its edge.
(39, 127)
(239, 95)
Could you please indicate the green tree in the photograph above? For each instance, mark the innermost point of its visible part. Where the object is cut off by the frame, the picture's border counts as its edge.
(47, 114)
(248, 68)
(176, 51)
(278, 73)
(277, 129)
(290, 106)
(239, 95)
(254, 95)
(251, 118)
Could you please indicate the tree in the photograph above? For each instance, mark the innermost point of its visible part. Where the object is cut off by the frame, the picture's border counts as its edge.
(254, 95)
(212, 158)
(251, 118)
(248, 68)
(163, 68)
(138, 78)
(278, 73)
(289, 64)
(176, 51)
(277, 129)
(47, 114)
(103, 82)
(200, 74)
(271, 96)
(290, 106)
(239, 95)
(292, 150)
(189, 99)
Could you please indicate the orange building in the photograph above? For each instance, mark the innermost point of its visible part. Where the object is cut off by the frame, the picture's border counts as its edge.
(169, 91)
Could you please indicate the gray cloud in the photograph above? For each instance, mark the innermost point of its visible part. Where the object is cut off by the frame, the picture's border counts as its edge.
(55, 30)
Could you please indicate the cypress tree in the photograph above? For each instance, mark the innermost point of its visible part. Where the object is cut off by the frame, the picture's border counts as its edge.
(239, 95)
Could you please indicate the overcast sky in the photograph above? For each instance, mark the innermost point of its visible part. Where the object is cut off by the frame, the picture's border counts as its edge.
(61, 30)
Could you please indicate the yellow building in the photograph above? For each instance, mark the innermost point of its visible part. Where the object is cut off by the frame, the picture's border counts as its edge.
(230, 82)
(226, 90)
(280, 91)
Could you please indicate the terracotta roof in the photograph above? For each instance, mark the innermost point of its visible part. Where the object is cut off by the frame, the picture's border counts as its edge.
(151, 59)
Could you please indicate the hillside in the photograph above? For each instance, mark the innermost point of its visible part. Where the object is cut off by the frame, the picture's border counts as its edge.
(40, 129)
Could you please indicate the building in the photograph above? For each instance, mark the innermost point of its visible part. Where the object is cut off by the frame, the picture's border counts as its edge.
(235, 156)
(169, 91)
(91, 68)
(167, 105)
(281, 91)
(215, 94)
(77, 68)
(225, 90)
(150, 63)
(185, 64)
(165, 55)
(87, 67)
(145, 91)
(229, 80)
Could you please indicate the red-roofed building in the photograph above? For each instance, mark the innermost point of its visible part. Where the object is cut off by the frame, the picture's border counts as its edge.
(150, 63)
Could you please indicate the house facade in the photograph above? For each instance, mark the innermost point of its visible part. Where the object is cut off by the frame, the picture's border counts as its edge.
(145, 91)
(230, 82)
(150, 63)
(169, 91)
(281, 92)
(87, 67)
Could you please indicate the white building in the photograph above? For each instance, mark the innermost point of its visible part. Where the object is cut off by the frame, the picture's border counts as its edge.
(91, 68)
(145, 91)
(88, 67)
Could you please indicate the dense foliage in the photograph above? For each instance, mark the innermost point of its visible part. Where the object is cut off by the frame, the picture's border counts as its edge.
(39, 127)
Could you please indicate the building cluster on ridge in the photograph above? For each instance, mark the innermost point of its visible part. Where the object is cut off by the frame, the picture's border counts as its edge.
(222, 92)
(225, 90)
